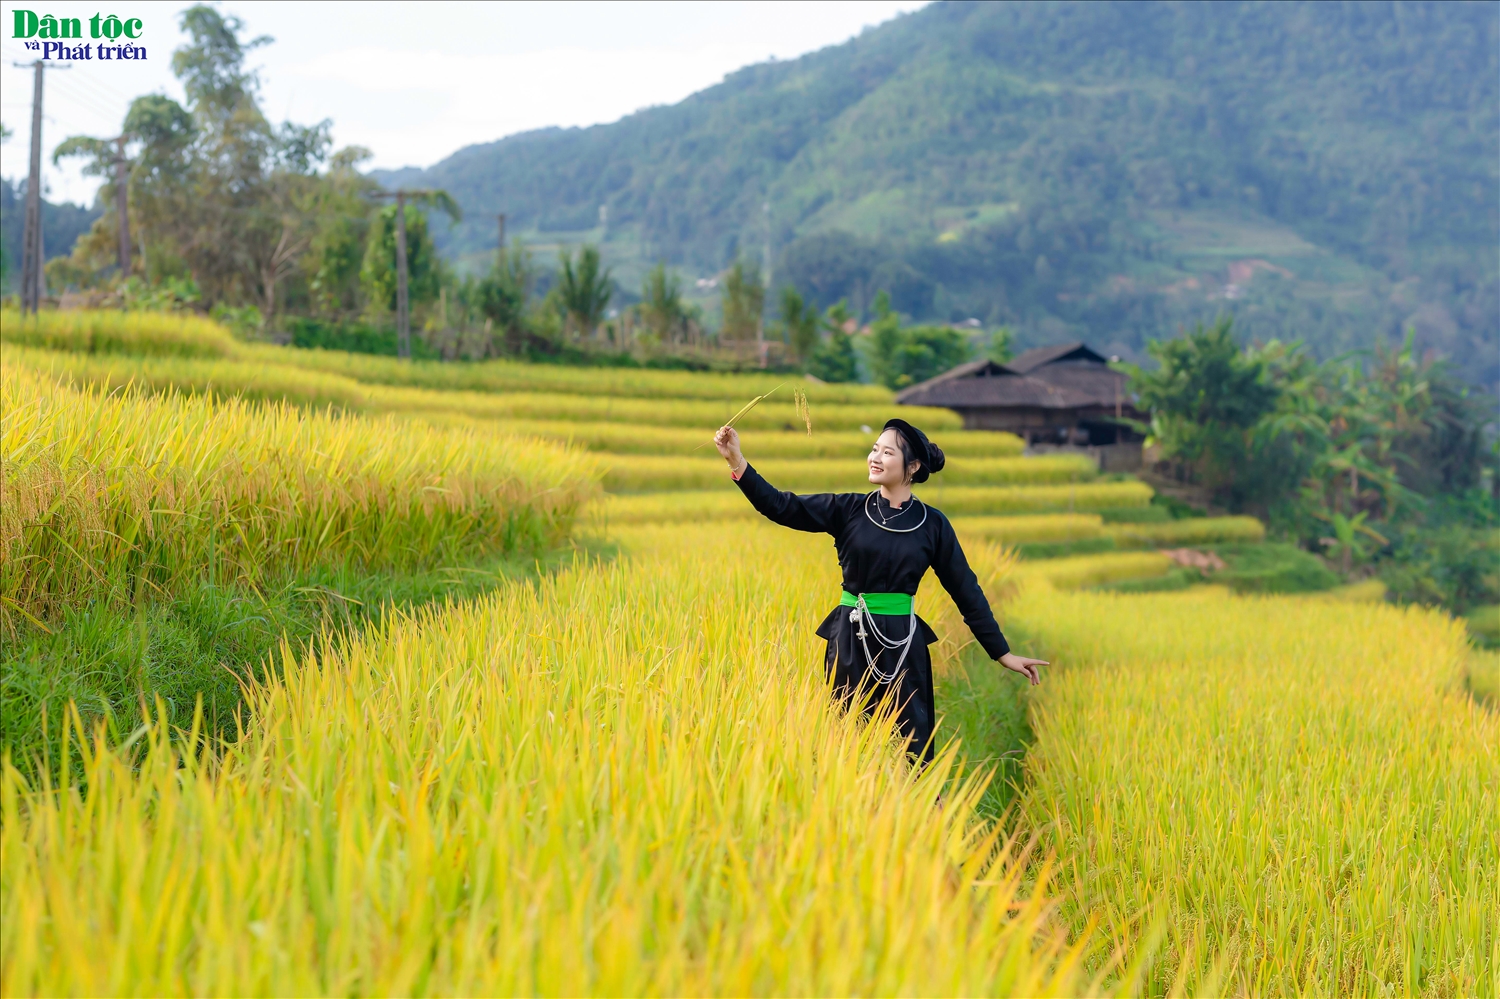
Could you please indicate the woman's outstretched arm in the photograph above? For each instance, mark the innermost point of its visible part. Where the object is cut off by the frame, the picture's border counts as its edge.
(951, 567)
(819, 513)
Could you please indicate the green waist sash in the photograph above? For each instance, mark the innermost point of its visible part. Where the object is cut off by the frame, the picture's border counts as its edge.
(894, 604)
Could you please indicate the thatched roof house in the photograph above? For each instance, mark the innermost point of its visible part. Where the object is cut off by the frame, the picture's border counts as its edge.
(1061, 396)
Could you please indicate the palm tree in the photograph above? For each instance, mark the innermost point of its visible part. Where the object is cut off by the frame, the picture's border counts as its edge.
(585, 289)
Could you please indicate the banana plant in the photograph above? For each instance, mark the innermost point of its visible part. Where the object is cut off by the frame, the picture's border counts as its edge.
(1352, 539)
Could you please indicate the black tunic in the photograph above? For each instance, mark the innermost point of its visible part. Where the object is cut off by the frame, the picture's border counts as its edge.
(877, 560)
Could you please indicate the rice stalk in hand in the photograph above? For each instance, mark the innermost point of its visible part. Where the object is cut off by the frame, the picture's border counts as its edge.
(743, 410)
(804, 411)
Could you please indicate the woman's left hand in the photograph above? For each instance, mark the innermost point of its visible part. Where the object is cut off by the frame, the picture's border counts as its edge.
(1026, 667)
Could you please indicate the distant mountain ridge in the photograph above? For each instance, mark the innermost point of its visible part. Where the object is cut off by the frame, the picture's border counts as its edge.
(1105, 171)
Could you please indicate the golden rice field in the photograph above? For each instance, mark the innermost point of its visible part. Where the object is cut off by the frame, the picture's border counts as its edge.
(954, 500)
(1088, 526)
(155, 334)
(627, 776)
(112, 495)
(683, 442)
(625, 780)
(638, 473)
(265, 380)
(1297, 793)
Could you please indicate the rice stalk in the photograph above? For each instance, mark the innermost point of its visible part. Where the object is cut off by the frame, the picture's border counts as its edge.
(118, 495)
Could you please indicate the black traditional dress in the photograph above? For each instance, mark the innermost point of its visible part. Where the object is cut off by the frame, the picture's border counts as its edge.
(884, 550)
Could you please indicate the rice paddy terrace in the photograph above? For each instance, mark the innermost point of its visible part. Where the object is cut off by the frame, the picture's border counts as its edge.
(523, 697)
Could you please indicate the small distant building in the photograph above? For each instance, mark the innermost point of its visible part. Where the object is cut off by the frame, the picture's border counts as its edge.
(1060, 398)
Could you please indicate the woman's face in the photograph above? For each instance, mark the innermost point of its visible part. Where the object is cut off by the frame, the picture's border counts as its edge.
(887, 466)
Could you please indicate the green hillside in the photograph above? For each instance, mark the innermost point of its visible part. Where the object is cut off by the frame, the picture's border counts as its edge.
(1110, 170)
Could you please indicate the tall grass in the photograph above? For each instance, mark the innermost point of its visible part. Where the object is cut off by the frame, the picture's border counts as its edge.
(1298, 789)
(149, 334)
(625, 780)
(655, 474)
(116, 496)
(272, 381)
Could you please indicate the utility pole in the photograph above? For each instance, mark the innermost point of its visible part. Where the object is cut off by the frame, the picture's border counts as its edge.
(765, 302)
(32, 249)
(502, 234)
(32, 253)
(403, 314)
(403, 310)
(31, 238)
(122, 206)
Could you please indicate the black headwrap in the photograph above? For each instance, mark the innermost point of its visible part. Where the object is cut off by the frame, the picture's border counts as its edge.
(920, 449)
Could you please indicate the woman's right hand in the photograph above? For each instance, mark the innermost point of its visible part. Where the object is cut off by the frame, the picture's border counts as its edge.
(727, 440)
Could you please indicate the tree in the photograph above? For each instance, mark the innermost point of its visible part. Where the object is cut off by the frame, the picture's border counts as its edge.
(219, 193)
(1001, 345)
(423, 265)
(1205, 400)
(584, 290)
(834, 360)
(743, 300)
(159, 133)
(884, 342)
(800, 320)
(662, 309)
(901, 357)
(501, 296)
(341, 229)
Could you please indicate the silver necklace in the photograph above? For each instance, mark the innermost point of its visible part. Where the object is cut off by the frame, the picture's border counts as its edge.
(895, 530)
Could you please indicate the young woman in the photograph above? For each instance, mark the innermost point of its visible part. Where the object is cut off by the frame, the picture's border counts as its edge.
(886, 540)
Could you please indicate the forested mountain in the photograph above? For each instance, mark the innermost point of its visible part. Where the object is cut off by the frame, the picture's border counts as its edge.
(1110, 170)
(62, 224)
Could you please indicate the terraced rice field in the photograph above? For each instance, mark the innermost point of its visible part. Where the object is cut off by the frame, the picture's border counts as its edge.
(625, 775)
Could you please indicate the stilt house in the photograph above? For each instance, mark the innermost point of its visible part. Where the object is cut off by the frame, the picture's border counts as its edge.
(1057, 398)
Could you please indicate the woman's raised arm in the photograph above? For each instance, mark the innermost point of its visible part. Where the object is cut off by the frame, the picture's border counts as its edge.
(818, 513)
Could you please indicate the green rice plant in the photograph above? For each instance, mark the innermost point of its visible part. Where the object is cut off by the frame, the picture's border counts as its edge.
(644, 474)
(729, 504)
(150, 334)
(1192, 531)
(1484, 624)
(1296, 791)
(271, 381)
(1483, 676)
(626, 779)
(852, 445)
(1273, 567)
(115, 496)
(1364, 591)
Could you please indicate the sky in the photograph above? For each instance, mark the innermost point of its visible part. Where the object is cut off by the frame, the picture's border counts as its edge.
(416, 82)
